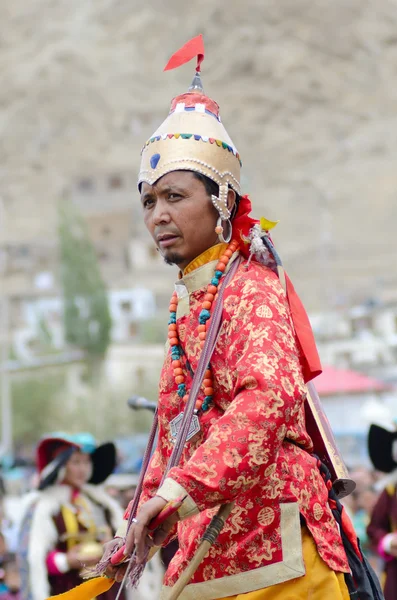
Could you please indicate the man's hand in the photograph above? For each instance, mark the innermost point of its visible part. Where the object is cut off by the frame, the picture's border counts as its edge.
(138, 536)
(113, 571)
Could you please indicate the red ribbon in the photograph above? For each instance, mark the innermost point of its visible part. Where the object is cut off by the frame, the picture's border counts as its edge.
(309, 359)
(192, 48)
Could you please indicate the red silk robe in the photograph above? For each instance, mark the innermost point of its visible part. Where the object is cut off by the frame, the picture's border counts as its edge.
(241, 453)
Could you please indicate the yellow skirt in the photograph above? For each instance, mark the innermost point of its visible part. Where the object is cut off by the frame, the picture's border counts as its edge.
(319, 583)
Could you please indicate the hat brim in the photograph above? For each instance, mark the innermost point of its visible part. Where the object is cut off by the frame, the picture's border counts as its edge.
(47, 446)
(380, 448)
(49, 474)
(103, 462)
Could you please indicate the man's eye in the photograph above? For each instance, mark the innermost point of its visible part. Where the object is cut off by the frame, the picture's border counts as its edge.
(174, 196)
(148, 202)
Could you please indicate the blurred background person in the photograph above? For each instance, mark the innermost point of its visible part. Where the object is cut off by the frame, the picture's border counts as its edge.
(12, 579)
(70, 516)
(382, 529)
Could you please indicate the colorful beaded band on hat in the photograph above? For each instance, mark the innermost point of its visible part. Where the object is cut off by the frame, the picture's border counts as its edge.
(197, 137)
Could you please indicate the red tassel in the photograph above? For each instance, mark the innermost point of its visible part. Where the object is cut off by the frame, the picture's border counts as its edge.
(192, 48)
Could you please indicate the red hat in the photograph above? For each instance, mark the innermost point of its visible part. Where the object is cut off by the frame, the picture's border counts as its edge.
(49, 448)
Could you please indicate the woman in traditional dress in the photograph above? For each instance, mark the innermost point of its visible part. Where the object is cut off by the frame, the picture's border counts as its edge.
(382, 529)
(70, 516)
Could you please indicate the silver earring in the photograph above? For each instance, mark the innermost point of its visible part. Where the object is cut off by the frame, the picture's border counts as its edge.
(220, 230)
(221, 206)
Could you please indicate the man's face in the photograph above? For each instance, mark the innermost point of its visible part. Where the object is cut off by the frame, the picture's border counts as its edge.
(180, 217)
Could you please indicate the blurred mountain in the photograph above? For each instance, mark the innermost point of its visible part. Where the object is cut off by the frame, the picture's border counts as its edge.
(306, 90)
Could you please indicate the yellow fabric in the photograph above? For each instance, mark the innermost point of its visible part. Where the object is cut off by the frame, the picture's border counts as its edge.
(84, 514)
(87, 590)
(71, 520)
(207, 256)
(319, 583)
(71, 526)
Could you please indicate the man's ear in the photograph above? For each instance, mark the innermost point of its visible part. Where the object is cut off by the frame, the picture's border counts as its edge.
(231, 199)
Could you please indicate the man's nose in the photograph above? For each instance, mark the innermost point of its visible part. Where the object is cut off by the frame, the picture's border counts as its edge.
(160, 213)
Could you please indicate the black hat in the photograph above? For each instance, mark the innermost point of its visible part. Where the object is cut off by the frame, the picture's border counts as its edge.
(382, 448)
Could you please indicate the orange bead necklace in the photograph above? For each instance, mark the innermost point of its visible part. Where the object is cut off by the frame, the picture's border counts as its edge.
(204, 316)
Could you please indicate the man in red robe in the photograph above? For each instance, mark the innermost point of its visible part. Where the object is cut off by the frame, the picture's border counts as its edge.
(249, 444)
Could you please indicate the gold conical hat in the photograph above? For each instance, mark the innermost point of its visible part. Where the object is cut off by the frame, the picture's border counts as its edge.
(192, 138)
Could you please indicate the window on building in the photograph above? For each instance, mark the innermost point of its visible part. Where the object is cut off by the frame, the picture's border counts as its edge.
(126, 306)
(115, 182)
(86, 184)
(22, 251)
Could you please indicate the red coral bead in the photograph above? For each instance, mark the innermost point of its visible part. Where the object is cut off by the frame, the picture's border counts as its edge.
(178, 371)
(207, 305)
(212, 289)
(208, 391)
(172, 327)
(209, 297)
(174, 341)
(173, 307)
(202, 335)
(220, 267)
(180, 379)
(201, 328)
(176, 364)
(208, 382)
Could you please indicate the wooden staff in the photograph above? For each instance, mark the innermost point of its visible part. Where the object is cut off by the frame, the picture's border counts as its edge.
(209, 537)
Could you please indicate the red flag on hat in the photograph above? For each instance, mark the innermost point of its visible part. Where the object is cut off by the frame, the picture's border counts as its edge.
(192, 48)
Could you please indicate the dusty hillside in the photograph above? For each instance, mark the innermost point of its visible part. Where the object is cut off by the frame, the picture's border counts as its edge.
(306, 88)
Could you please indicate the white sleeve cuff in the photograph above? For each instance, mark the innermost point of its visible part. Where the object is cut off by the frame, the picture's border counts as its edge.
(61, 562)
(387, 542)
(171, 490)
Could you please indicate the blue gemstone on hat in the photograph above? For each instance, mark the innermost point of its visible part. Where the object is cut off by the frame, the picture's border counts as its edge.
(154, 161)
